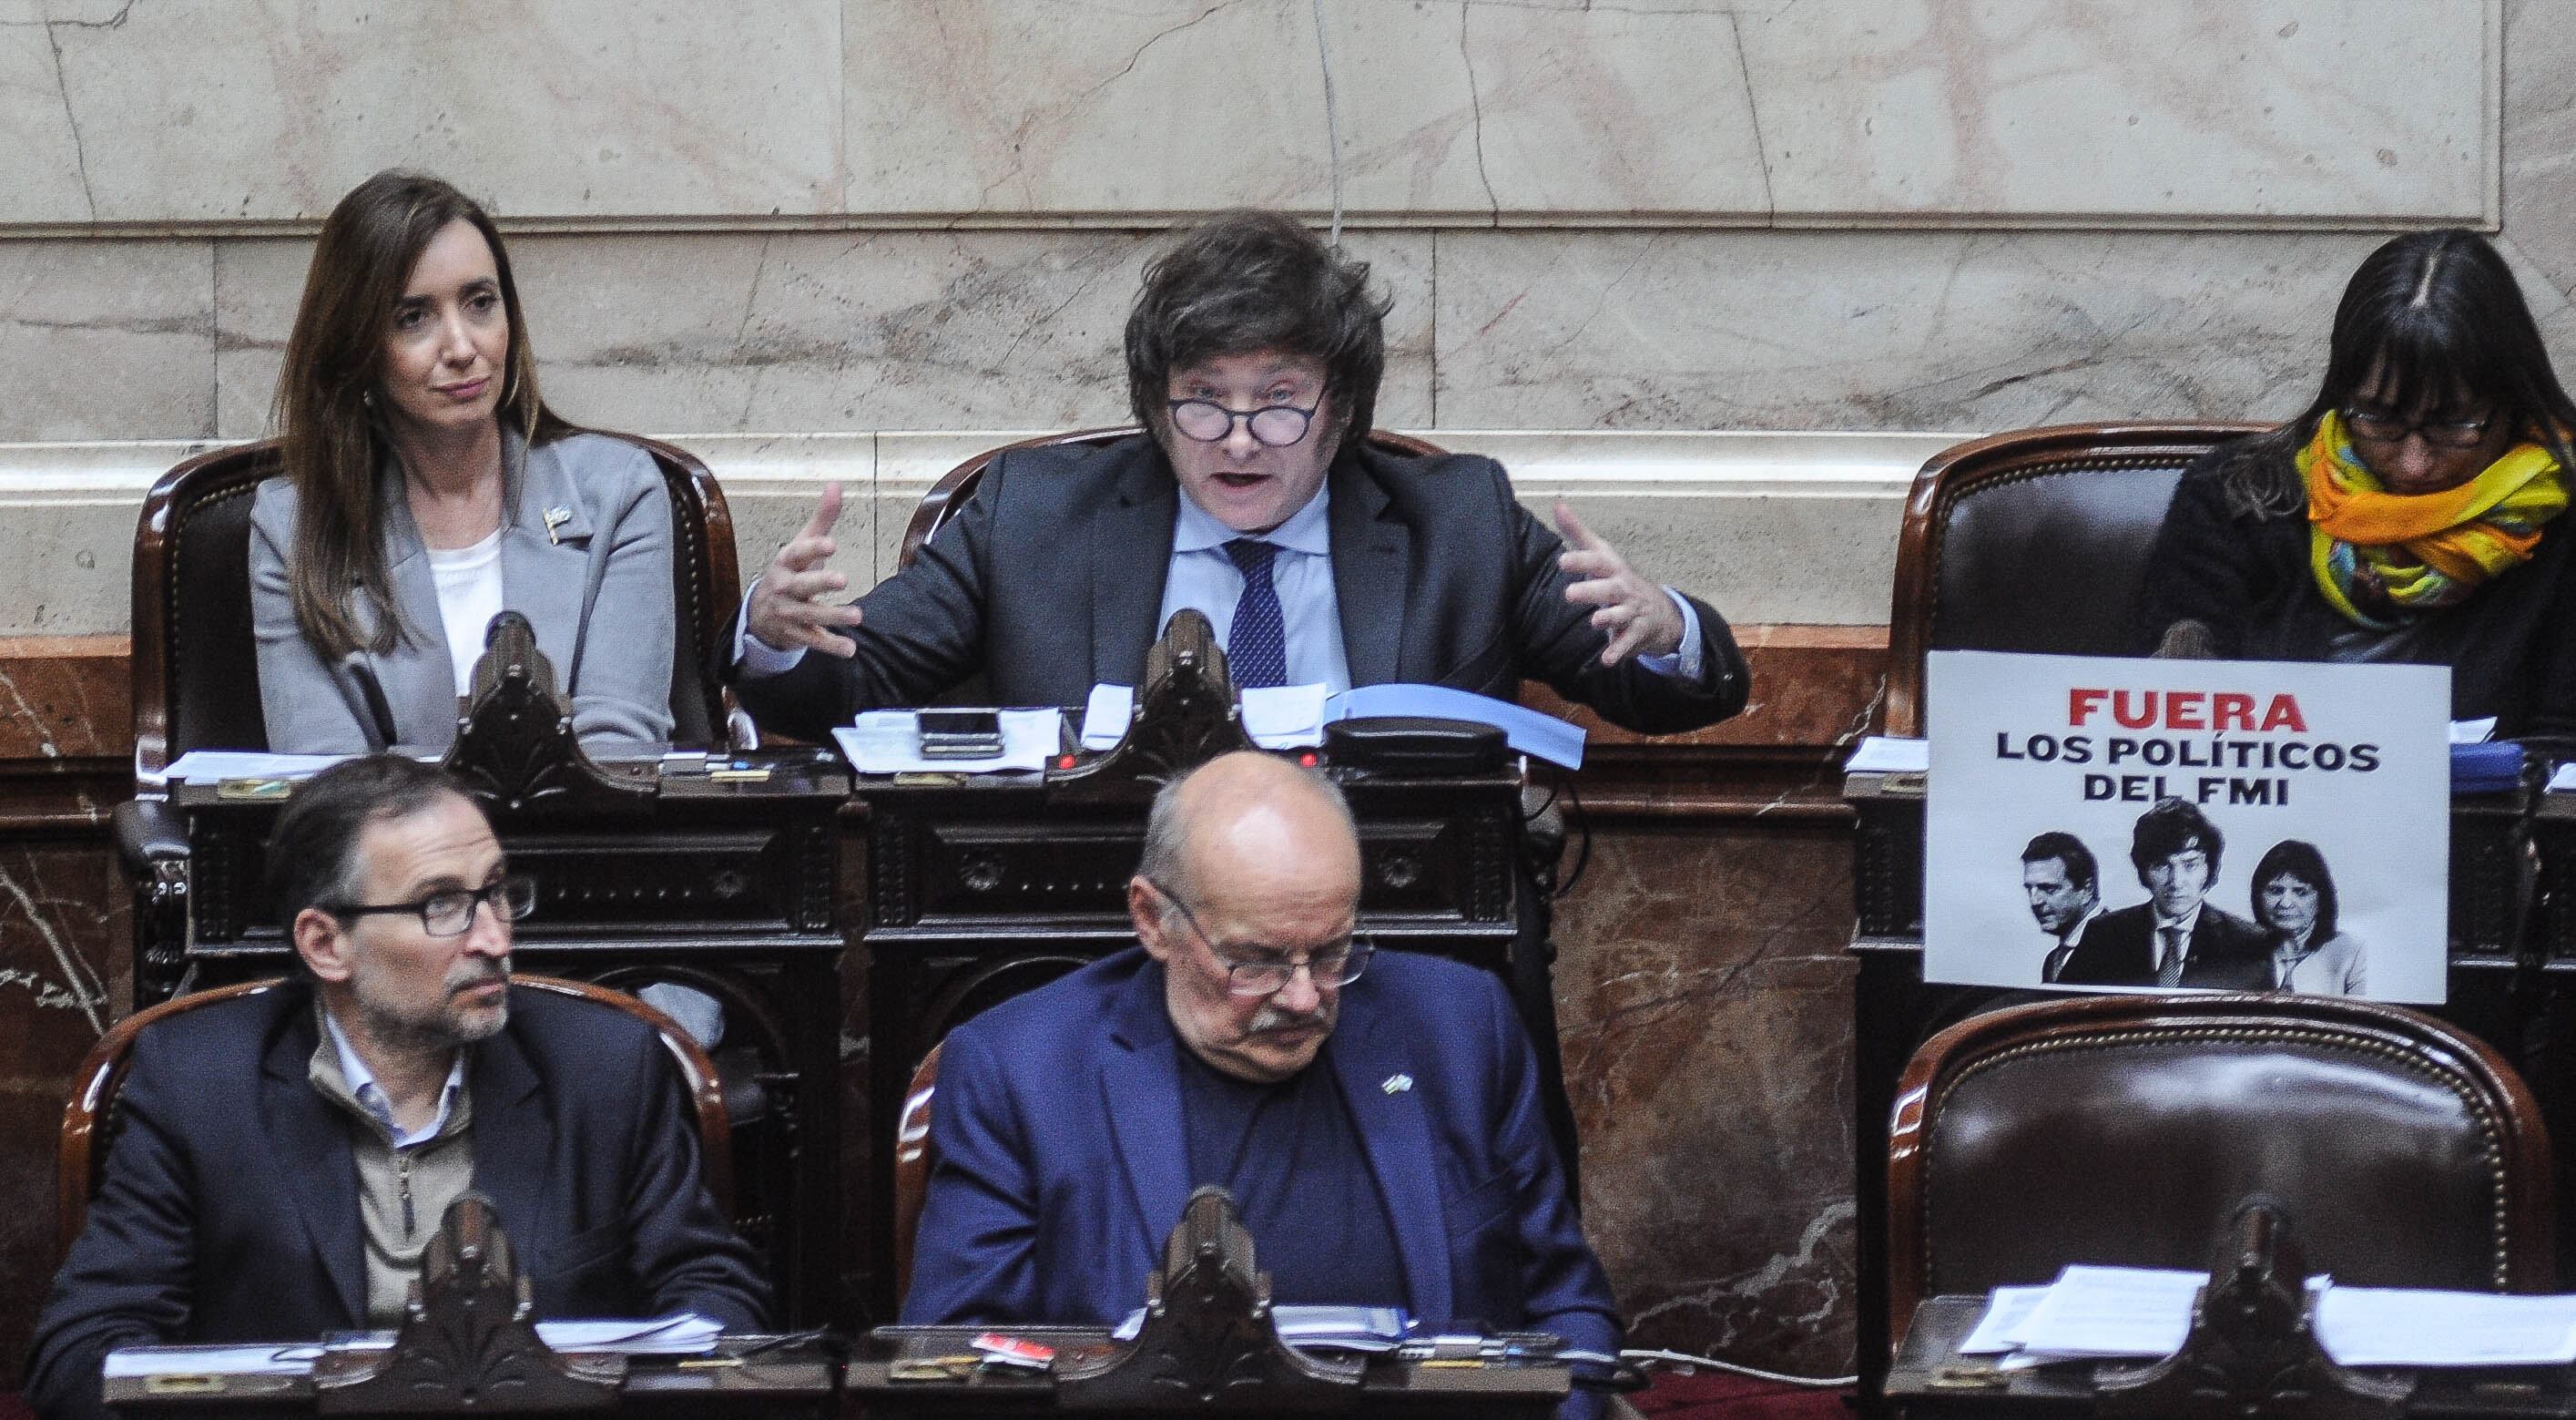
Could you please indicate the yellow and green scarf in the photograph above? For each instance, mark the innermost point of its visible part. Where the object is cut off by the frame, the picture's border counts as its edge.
(2427, 550)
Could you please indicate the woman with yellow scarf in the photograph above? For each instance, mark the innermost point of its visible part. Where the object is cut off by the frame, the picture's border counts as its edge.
(2414, 511)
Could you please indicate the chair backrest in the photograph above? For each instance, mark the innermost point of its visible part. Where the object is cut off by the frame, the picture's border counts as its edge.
(2125, 1129)
(958, 484)
(2034, 540)
(196, 665)
(913, 1158)
(89, 1116)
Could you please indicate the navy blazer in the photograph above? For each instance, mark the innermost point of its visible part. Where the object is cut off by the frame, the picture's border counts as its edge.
(595, 585)
(1062, 1164)
(229, 1206)
(1050, 578)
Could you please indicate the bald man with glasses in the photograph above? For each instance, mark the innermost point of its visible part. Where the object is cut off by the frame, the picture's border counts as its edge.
(1375, 1114)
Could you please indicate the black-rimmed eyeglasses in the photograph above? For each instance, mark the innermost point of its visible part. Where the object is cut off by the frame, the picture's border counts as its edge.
(2383, 428)
(1208, 422)
(1335, 964)
(451, 913)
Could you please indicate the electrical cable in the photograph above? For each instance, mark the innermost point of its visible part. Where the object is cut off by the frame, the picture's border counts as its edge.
(1679, 1358)
(1332, 121)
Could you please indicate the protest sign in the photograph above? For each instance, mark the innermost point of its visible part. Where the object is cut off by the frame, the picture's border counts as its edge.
(2119, 824)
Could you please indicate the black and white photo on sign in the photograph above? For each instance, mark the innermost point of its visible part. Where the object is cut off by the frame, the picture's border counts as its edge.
(2187, 825)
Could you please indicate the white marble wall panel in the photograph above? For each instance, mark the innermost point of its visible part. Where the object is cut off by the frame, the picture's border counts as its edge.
(106, 339)
(1791, 330)
(783, 111)
(816, 331)
(2540, 139)
(2351, 110)
(221, 110)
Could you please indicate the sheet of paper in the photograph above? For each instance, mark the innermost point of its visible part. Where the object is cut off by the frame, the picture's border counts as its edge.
(1105, 718)
(2391, 1326)
(1284, 716)
(2006, 1309)
(686, 1334)
(2564, 780)
(208, 766)
(1539, 736)
(139, 1362)
(1879, 754)
(889, 742)
(2473, 732)
(2112, 1311)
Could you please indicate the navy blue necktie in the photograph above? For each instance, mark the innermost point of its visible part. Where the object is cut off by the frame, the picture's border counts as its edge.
(1256, 649)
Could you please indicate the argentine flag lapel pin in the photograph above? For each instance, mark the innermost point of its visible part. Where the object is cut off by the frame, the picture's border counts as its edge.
(1397, 1083)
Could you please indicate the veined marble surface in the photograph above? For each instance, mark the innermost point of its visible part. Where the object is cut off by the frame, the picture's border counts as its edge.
(1797, 528)
(215, 114)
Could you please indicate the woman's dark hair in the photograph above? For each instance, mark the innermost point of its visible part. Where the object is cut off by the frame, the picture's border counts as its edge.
(331, 433)
(2291, 858)
(313, 851)
(1248, 280)
(2440, 317)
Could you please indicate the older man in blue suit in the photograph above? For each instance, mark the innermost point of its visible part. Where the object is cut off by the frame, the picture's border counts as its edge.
(1375, 1115)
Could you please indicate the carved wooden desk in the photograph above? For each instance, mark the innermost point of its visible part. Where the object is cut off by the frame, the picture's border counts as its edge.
(727, 886)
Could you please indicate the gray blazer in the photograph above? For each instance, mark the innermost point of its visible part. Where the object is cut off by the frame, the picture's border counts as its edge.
(597, 590)
(2335, 968)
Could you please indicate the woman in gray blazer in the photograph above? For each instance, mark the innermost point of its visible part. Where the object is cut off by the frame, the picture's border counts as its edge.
(2295, 901)
(428, 488)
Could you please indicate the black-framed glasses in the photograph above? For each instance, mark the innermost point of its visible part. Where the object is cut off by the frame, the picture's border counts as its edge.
(2382, 428)
(1276, 425)
(451, 913)
(1337, 964)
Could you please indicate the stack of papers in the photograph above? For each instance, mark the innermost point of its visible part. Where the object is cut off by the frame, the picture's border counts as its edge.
(209, 766)
(1879, 754)
(2101, 1313)
(1275, 716)
(682, 1334)
(889, 742)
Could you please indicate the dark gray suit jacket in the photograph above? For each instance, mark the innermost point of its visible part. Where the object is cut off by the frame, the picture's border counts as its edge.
(1050, 579)
(229, 1207)
(597, 591)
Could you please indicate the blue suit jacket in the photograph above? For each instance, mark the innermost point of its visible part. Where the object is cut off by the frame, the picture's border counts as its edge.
(1062, 1164)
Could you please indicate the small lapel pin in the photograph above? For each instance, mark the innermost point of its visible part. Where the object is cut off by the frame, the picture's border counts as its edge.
(556, 518)
(1397, 1084)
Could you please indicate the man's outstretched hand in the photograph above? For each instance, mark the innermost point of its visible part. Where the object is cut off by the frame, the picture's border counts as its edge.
(1639, 615)
(788, 610)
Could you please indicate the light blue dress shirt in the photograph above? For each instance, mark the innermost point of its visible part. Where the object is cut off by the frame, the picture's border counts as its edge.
(362, 1083)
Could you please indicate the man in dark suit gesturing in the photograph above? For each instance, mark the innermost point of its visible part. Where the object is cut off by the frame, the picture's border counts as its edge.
(1253, 359)
(1375, 1115)
(2176, 937)
(285, 1157)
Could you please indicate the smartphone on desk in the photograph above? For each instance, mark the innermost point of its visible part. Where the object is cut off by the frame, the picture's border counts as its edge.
(960, 734)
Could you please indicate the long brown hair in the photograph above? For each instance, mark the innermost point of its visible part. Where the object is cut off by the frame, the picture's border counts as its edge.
(333, 437)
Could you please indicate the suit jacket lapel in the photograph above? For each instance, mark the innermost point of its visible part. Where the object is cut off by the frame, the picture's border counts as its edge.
(1374, 1067)
(545, 567)
(1141, 1093)
(1370, 550)
(1131, 558)
(417, 677)
(311, 1144)
(512, 1139)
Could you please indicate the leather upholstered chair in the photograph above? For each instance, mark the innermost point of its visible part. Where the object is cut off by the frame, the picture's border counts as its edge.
(913, 1158)
(90, 1120)
(958, 484)
(2125, 1130)
(196, 666)
(196, 663)
(2034, 540)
